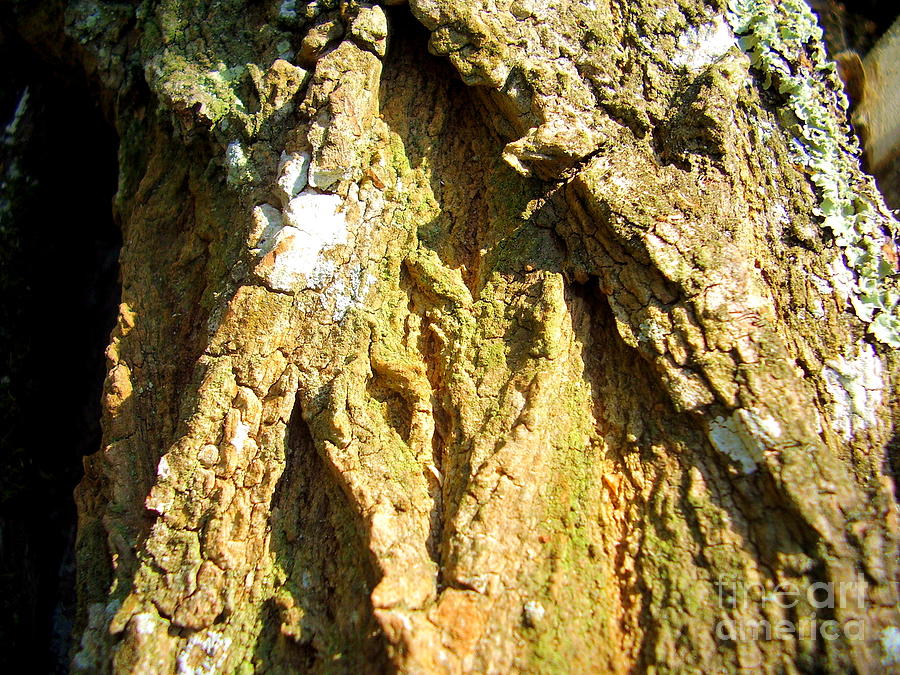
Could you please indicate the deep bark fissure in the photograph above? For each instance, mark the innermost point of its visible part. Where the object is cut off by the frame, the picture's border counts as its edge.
(322, 610)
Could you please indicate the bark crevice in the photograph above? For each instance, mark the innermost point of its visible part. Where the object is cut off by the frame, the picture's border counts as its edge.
(321, 608)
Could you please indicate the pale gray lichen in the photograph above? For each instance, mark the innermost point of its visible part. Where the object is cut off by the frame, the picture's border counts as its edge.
(288, 9)
(311, 224)
(163, 470)
(890, 645)
(723, 434)
(346, 296)
(236, 163)
(701, 46)
(204, 654)
(88, 656)
(12, 128)
(745, 436)
(284, 50)
(856, 386)
(784, 44)
(144, 623)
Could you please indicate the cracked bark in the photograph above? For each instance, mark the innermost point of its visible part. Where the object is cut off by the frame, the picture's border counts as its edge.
(490, 426)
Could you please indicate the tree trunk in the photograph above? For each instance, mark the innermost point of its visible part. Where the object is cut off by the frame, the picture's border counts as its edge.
(581, 363)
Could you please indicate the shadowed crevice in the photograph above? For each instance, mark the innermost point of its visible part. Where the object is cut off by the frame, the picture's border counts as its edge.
(321, 618)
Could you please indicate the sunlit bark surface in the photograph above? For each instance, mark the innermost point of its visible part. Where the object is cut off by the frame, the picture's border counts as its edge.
(510, 343)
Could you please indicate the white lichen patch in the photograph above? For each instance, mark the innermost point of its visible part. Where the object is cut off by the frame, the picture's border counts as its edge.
(890, 645)
(342, 300)
(778, 214)
(623, 183)
(237, 164)
(203, 654)
(762, 427)
(239, 439)
(312, 224)
(163, 471)
(842, 278)
(87, 659)
(144, 623)
(701, 46)
(817, 309)
(160, 500)
(821, 285)
(724, 436)
(744, 436)
(655, 333)
(856, 385)
(323, 275)
(345, 296)
(234, 156)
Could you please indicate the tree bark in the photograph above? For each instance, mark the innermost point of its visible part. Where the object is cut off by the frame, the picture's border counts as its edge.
(554, 357)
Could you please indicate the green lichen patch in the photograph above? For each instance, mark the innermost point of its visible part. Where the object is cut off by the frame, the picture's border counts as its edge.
(784, 44)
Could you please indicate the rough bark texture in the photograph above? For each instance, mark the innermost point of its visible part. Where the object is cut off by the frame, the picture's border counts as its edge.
(513, 373)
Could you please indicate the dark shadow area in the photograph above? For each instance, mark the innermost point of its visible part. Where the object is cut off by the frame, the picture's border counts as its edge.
(59, 280)
(892, 461)
(854, 26)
